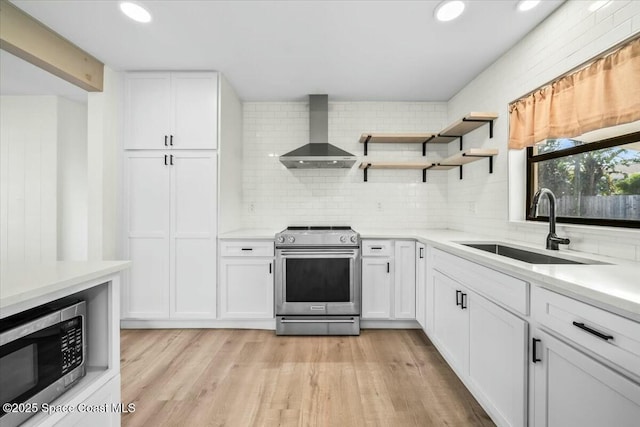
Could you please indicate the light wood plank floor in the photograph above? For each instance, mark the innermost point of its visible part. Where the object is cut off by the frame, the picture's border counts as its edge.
(237, 378)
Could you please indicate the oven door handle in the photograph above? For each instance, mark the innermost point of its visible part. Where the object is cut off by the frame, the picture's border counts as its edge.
(318, 321)
(322, 254)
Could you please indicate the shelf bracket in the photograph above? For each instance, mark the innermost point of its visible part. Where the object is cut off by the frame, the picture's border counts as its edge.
(366, 146)
(424, 145)
(424, 174)
(365, 171)
(460, 142)
(483, 121)
(491, 164)
(460, 171)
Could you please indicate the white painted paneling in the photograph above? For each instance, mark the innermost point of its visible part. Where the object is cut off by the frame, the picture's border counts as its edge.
(104, 141)
(28, 146)
(72, 181)
(230, 153)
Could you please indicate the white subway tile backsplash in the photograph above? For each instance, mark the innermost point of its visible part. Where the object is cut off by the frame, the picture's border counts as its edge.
(275, 196)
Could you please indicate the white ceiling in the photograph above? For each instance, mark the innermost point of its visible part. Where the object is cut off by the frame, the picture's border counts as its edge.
(284, 50)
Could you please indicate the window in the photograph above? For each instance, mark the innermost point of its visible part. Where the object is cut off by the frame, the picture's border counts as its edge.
(594, 182)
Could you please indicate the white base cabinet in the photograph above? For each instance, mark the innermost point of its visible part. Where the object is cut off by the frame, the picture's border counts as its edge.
(376, 288)
(485, 344)
(572, 389)
(246, 280)
(388, 279)
(421, 291)
(170, 222)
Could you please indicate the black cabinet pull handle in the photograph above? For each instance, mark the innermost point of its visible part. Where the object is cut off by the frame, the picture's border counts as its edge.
(269, 268)
(388, 268)
(593, 331)
(421, 252)
(171, 159)
(165, 141)
(458, 293)
(376, 248)
(171, 140)
(165, 160)
(247, 249)
(534, 350)
(463, 301)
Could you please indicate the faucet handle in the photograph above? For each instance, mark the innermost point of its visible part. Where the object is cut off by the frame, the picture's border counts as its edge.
(559, 240)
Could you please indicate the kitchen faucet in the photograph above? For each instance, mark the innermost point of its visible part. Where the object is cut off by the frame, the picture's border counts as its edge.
(552, 239)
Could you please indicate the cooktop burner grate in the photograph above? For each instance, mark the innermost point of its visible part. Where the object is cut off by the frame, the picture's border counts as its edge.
(318, 227)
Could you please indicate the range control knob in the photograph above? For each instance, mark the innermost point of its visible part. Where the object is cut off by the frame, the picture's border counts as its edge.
(354, 239)
(343, 239)
(280, 239)
(291, 239)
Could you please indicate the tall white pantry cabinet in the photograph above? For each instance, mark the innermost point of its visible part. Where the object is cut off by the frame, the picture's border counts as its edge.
(170, 200)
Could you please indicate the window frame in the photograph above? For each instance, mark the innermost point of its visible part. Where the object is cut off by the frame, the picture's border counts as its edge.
(592, 146)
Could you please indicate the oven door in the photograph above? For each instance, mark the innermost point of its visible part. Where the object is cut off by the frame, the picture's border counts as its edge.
(318, 281)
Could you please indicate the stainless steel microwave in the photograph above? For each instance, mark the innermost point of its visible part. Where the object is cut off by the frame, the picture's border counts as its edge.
(42, 354)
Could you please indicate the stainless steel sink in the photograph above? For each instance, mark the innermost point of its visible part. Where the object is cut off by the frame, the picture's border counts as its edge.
(526, 255)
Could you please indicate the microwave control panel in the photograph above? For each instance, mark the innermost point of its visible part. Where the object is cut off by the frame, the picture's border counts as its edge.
(71, 344)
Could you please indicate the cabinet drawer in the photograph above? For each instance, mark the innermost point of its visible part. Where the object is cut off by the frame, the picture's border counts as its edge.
(608, 335)
(377, 247)
(246, 248)
(499, 287)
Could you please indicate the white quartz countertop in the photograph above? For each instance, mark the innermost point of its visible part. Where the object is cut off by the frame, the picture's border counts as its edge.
(614, 286)
(250, 234)
(23, 286)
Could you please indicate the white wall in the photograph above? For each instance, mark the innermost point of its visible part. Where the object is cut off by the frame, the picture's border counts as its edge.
(275, 196)
(483, 202)
(230, 155)
(72, 180)
(104, 130)
(28, 134)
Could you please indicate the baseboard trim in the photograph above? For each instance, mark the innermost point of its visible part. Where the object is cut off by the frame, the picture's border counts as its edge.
(389, 324)
(269, 324)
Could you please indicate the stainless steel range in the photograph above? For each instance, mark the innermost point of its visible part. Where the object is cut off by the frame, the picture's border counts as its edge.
(318, 281)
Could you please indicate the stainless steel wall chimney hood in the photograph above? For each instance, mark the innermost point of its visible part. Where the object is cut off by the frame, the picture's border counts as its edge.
(318, 153)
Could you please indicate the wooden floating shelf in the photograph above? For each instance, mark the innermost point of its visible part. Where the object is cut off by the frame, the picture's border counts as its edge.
(455, 161)
(456, 130)
(396, 138)
(464, 157)
(396, 165)
(452, 132)
(392, 138)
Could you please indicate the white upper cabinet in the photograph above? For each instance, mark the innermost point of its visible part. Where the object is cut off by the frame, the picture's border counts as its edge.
(171, 110)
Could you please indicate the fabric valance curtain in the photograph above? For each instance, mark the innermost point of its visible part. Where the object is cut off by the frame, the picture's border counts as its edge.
(604, 93)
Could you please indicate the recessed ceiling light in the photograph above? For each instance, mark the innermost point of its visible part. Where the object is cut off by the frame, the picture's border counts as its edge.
(449, 10)
(524, 5)
(135, 12)
(600, 4)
